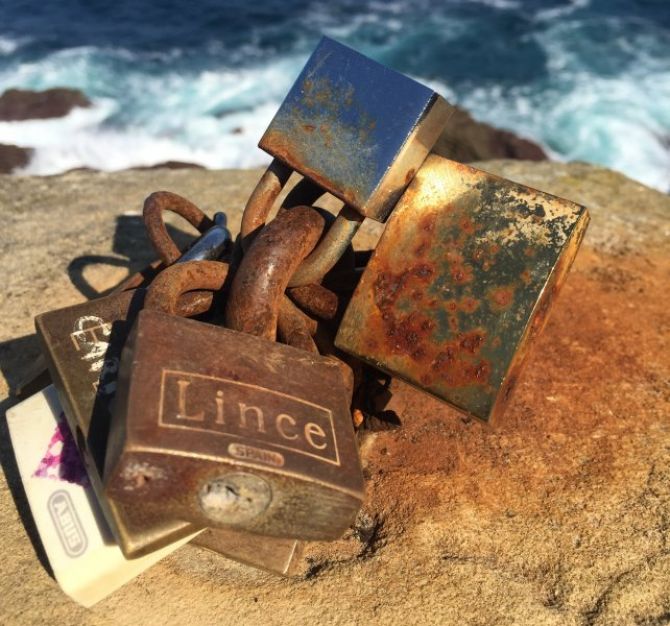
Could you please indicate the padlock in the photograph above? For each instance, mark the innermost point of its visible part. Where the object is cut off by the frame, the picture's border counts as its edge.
(353, 128)
(214, 243)
(85, 562)
(82, 345)
(226, 429)
(461, 282)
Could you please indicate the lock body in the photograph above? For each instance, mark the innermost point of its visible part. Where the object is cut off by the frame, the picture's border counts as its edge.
(82, 345)
(225, 429)
(356, 128)
(460, 282)
(85, 562)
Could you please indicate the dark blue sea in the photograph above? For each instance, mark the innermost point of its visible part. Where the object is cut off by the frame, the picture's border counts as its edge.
(199, 80)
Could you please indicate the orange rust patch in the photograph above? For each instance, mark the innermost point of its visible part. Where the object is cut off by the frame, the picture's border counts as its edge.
(467, 225)
(469, 304)
(427, 222)
(461, 273)
(501, 297)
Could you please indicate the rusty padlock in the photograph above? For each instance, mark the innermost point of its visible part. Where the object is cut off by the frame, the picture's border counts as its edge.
(353, 128)
(82, 345)
(214, 243)
(228, 429)
(461, 282)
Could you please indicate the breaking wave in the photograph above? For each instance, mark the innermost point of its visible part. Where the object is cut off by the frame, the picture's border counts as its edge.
(588, 80)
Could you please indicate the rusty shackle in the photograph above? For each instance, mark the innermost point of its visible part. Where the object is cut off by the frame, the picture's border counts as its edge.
(266, 269)
(186, 289)
(154, 206)
(333, 244)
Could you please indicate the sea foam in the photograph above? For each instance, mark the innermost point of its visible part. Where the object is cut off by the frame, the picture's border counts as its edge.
(584, 84)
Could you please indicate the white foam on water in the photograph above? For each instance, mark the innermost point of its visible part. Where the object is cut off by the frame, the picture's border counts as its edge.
(8, 45)
(145, 111)
(212, 117)
(78, 140)
(561, 11)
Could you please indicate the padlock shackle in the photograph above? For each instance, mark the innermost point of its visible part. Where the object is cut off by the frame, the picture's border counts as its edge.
(166, 291)
(152, 214)
(262, 199)
(266, 268)
(329, 250)
(334, 243)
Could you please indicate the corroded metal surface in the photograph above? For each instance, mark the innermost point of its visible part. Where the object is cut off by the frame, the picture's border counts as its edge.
(82, 345)
(200, 409)
(460, 282)
(329, 250)
(167, 291)
(317, 300)
(356, 128)
(154, 206)
(265, 270)
(294, 329)
(261, 200)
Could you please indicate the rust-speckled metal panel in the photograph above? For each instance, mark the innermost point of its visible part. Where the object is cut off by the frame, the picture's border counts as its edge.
(355, 127)
(225, 429)
(460, 283)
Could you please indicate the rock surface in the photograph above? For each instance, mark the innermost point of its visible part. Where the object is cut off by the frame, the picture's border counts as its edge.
(13, 157)
(24, 104)
(559, 514)
(467, 140)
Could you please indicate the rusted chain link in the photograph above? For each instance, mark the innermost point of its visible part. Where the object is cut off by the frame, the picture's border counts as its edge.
(333, 245)
(168, 290)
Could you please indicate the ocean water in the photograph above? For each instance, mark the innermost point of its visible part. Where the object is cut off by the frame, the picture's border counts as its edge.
(199, 81)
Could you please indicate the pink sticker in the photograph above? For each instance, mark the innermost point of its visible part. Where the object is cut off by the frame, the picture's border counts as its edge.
(62, 461)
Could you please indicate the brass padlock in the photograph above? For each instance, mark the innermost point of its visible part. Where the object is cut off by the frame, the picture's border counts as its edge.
(354, 128)
(82, 346)
(461, 282)
(213, 243)
(223, 428)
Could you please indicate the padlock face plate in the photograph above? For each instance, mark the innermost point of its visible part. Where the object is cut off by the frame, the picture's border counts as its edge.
(204, 413)
(460, 281)
(82, 345)
(355, 127)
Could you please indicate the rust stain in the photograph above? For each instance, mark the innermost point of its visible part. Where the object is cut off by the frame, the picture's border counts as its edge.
(469, 304)
(467, 225)
(427, 222)
(501, 297)
(461, 273)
